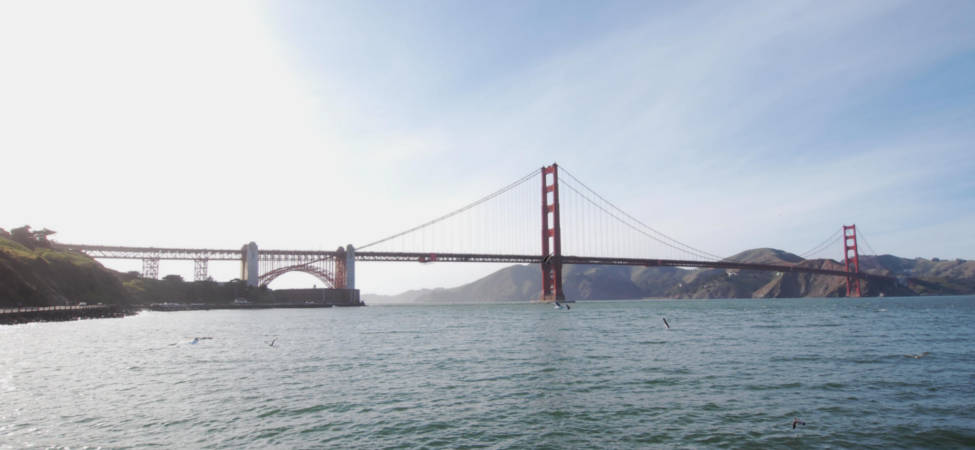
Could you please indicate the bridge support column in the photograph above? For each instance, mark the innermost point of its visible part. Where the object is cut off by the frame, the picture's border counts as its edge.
(340, 277)
(852, 259)
(249, 270)
(150, 268)
(350, 267)
(551, 236)
(200, 269)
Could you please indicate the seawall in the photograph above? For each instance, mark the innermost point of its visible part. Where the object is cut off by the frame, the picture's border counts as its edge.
(334, 297)
(12, 316)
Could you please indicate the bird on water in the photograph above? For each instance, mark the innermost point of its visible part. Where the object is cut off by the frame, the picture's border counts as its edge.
(796, 421)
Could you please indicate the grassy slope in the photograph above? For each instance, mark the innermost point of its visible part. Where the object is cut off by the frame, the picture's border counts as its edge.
(46, 277)
(43, 277)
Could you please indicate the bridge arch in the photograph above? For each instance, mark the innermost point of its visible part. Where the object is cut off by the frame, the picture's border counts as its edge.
(324, 276)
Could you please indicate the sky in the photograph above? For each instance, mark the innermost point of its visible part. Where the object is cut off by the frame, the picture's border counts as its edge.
(310, 125)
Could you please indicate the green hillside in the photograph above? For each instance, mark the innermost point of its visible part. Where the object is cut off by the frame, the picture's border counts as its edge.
(34, 274)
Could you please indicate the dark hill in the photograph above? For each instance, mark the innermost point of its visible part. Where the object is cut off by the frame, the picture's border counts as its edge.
(588, 282)
(33, 272)
(765, 256)
(508, 284)
(43, 276)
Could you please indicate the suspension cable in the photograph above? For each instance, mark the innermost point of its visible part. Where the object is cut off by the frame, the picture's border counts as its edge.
(822, 245)
(507, 188)
(687, 248)
(864, 237)
(620, 220)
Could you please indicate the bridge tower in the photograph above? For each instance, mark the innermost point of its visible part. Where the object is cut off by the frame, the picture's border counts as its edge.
(852, 259)
(341, 269)
(551, 236)
(249, 269)
(350, 267)
(345, 268)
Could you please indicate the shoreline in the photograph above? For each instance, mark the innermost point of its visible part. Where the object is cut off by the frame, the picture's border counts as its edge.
(31, 314)
(206, 306)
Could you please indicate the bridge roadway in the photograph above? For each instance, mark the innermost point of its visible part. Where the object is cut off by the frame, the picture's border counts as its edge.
(122, 252)
(566, 259)
(187, 254)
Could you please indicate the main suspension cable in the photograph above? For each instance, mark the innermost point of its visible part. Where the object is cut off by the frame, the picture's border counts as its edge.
(686, 248)
(620, 220)
(822, 245)
(507, 188)
(864, 237)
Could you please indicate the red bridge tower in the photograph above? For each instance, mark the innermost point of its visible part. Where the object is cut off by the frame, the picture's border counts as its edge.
(852, 259)
(551, 236)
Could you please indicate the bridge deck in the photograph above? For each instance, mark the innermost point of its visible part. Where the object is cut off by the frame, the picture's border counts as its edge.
(189, 254)
(122, 252)
(536, 259)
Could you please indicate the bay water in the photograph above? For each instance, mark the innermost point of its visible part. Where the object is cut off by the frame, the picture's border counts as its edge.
(877, 372)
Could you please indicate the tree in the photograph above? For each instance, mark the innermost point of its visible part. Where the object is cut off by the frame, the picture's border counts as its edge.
(31, 239)
(130, 275)
(22, 236)
(173, 278)
(41, 237)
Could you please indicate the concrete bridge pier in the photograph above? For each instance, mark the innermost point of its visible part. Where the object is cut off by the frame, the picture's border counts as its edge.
(350, 267)
(344, 268)
(249, 269)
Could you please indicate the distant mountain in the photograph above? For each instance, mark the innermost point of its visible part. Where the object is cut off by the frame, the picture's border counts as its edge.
(765, 256)
(513, 283)
(404, 297)
(592, 282)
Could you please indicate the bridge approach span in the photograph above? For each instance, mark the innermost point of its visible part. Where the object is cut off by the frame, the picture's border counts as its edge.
(257, 266)
(185, 254)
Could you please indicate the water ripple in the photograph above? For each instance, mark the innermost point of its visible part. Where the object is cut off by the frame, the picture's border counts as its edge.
(501, 376)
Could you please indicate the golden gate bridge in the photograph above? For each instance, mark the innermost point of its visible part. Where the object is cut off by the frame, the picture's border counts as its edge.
(547, 217)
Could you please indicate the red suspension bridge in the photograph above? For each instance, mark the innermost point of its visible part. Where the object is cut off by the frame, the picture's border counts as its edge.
(572, 223)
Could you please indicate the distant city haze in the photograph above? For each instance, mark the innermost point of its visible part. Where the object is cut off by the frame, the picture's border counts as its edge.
(728, 126)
